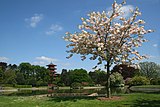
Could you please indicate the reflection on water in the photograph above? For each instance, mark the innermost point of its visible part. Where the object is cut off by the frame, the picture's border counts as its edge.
(101, 91)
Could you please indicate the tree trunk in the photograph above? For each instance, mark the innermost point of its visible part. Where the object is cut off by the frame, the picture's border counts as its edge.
(108, 81)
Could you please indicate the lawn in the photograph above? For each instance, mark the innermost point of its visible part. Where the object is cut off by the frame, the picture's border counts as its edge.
(128, 100)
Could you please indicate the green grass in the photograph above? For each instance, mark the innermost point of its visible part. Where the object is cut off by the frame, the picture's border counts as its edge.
(128, 100)
(147, 86)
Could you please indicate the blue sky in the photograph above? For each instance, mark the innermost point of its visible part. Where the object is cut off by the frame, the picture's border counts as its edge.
(32, 30)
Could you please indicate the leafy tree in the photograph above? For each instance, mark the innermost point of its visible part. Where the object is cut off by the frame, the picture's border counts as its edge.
(9, 77)
(79, 76)
(139, 80)
(108, 40)
(26, 69)
(149, 70)
(116, 79)
(126, 71)
(65, 77)
(32, 81)
(40, 73)
(20, 78)
(98, 77)
(13, 67)
(1, 75)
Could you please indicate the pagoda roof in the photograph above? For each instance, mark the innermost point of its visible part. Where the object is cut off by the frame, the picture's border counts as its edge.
(51, 64)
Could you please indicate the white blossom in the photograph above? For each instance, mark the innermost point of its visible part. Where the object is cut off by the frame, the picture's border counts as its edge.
(107, 40)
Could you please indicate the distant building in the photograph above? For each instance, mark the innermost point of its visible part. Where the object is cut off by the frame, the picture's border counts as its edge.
(52, 68)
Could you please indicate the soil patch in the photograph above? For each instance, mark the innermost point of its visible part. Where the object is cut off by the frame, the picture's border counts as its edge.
(113, 98)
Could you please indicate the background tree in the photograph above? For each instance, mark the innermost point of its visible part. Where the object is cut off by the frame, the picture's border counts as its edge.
(116, 79)
(26, 69)
(9, 77)
(150, 70)
(20, 78)
(79, 76)
(126, 71)
(98, 77)
(1, 75)
(65, 77)
(108, 40)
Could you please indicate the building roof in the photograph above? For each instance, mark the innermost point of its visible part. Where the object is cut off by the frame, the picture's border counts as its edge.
(51, 64)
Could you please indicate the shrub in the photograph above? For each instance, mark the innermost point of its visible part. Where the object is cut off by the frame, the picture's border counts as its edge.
(139, 80)
(41, 83)
(127, 80)
(23, 86)
(76, 85)
(155, 81)
(116, 79)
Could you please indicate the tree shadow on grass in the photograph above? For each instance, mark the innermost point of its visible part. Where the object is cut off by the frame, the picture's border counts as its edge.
(146, 103)
(71, 98)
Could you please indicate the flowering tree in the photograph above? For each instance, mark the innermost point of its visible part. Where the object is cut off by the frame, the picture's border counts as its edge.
(109, 37)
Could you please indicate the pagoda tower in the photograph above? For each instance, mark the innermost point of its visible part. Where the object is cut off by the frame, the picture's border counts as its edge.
(52, 73)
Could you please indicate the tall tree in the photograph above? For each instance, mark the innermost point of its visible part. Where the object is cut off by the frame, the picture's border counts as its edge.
(26, 69)
(126, 71)
(1, 75)
(20, 78)
(149, 70)
(9, 77)
(98, 77)
(79, 76)
(110, 38)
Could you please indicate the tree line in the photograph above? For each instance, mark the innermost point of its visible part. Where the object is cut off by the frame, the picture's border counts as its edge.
(24, 74)
(35, 75)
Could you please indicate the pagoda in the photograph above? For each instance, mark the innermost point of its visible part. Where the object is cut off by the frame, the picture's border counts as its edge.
(52, 73)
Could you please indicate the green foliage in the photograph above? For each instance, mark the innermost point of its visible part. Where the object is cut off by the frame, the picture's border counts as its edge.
(1, 75)
(9, 77)
(116, 79)
(139, 80)
(125, 70)
(155, 81)
(20, 78)
(76, 85)
(79, 75)
(23, 86)
(76, 75)
(150, 70)
(98, 77)
(24, 74)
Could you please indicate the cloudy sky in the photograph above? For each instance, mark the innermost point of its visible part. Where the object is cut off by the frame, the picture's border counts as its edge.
(32, 30)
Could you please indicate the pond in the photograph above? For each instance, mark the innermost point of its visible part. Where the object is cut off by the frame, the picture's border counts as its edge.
(79, 92)
(99, 91)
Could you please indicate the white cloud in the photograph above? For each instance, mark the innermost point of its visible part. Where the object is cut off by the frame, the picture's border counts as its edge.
(3, 59)
(39, 63)
(43, 60)
(155, 45)
(47, 59)
(53, 29)
(34, 20)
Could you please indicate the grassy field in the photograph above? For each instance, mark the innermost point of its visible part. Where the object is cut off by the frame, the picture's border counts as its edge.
(127, 100)
(148, 86)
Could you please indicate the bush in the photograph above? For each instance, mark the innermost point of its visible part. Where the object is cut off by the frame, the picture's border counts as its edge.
(41, 83)
(117, 79)
(23, 86)
(155, 81)
(7, 85)
(76, 85)
(127, 80)
(139, 80)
